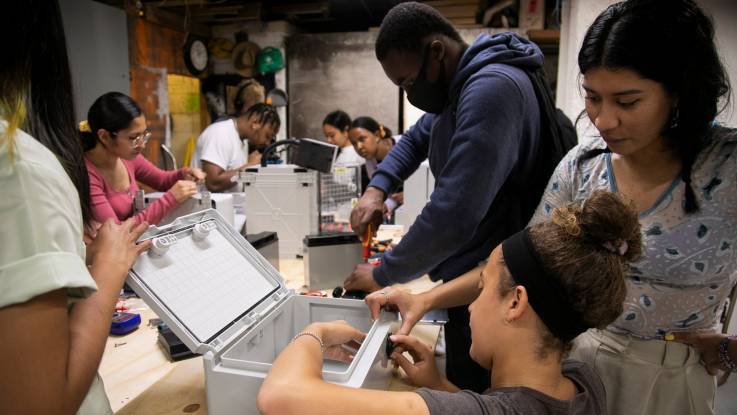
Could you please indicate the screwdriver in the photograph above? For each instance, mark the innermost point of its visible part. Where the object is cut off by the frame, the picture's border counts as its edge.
(367, 244)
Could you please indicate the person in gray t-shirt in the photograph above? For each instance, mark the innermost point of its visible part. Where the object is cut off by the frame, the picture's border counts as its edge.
(539, 289)
(589, 398)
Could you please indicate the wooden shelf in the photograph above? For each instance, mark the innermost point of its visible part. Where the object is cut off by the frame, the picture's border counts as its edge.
(544, 36)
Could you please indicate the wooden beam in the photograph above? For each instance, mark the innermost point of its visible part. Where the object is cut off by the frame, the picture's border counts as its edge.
(248, 9)
(544, 36)
(176, 3)
(174, 21)
(442, 3)
(463, 21)
(208, 11)
(458, 11)
(246, 12)
(212, 20)
(301, 8)
(468, 26)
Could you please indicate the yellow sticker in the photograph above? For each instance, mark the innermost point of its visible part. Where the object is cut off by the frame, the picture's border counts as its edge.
(670, 337)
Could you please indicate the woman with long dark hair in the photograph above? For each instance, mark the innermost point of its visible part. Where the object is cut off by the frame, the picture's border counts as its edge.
(56, 299)
(114, 135)
(654, 83)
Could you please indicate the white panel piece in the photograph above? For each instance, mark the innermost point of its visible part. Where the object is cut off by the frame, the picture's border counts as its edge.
(206, 284)
(222, 202)
(417, 190)
(281, 199)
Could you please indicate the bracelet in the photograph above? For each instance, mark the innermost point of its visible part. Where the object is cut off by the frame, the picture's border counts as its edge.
(313, 335)
(724, 353)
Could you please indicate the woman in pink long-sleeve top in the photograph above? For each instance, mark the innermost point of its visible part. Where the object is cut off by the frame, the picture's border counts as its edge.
(114, 135)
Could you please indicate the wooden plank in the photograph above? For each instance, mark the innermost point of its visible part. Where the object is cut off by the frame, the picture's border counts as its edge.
(209, 11)
(159, 47)
(301, 8)
(463, 21)
(182, 390)
(249, 9)
(458, 9)
(211, 20)
(468, 26)
(544, 36)
(177, 3)
(441, 3)
(174, 21)
(146, 84)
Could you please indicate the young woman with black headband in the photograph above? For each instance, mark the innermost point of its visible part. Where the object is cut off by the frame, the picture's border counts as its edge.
(539, 289)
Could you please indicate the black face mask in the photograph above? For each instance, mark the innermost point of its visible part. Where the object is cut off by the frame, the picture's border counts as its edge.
(429, 96)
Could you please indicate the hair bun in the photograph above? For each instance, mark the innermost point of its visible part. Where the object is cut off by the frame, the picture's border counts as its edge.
(567, 218)
(607, 221)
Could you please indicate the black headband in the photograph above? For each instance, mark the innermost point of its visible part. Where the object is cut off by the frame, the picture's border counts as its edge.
(547, 297)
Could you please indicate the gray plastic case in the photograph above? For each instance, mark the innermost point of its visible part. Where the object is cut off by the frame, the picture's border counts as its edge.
(191, 285)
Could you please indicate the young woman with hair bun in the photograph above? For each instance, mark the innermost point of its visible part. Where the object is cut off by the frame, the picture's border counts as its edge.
(540, 288)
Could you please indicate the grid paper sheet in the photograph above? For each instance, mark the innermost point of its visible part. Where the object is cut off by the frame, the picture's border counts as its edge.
(206, 285)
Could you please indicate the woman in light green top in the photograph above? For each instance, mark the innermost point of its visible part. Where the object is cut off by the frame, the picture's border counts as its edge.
(56, 297)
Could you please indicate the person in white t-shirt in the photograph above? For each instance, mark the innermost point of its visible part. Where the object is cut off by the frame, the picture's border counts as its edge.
(228, 146)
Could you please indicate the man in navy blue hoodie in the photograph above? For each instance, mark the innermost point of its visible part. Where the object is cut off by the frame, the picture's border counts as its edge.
(481, 134)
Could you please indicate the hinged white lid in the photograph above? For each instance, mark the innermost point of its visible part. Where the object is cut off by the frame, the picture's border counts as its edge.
(205, 281)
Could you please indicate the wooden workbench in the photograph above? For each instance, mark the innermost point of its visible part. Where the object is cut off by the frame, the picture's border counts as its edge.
(139, 378)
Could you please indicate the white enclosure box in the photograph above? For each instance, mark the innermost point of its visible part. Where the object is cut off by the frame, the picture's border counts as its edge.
(417, 190)
(225, 301)
(330, 259)
(281, 199)
(222, 202)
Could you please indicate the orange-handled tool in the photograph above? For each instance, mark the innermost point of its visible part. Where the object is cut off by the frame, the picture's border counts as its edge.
(367, 244)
